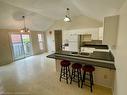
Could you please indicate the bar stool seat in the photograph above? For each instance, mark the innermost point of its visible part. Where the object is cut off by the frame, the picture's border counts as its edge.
(76, 66)
(65, 63)
(76, 73)
(88, 69)
(65, 70)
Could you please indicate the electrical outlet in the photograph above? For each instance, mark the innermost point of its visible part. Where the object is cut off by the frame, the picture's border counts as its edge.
(105, 76)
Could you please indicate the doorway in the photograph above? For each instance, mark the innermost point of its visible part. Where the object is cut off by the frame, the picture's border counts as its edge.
(21, 46)
(58, 40)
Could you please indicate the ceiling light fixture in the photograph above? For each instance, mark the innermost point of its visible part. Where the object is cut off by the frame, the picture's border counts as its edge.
(67, 16)
(24, 30)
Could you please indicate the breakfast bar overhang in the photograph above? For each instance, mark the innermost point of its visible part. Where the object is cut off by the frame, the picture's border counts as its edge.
(97, 58)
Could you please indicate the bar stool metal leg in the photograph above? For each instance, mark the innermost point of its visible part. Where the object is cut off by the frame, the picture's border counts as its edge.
(91, 82)
(76, 74)
(66, 71)
(78, 78)
(88, 69)
(83, 80)
(69, 72)
(92, 79)
(71, 76)
(61, 73)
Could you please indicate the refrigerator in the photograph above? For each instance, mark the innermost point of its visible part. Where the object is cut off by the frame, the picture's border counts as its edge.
(73, 42)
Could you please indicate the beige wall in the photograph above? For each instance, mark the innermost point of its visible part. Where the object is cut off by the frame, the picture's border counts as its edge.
(5, 49)
(5, 46)
(35, 44)
(121, 54)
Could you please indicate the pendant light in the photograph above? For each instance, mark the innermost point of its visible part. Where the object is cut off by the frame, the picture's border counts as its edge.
(25, 29)
(67, 17)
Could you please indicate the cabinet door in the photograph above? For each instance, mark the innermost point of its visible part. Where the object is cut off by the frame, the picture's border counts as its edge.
(86, 37)
(110, 30)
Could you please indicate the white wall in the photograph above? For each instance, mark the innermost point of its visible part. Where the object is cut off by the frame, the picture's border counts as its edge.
(93, 31)
(120, 87)
(78, 23)
(101, 33)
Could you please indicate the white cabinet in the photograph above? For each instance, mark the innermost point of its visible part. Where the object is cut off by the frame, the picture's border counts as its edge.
(86, 37)
(72, 36)
(110, 30)
(101, 33)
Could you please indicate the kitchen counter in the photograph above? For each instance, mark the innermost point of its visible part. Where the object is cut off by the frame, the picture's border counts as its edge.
(97, 58)
(96, 46)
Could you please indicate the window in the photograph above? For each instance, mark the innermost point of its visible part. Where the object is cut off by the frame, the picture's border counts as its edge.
(40, 40)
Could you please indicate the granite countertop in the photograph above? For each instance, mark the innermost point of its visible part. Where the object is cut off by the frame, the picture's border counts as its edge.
(95, 55)
(96, 46)
(97, 58)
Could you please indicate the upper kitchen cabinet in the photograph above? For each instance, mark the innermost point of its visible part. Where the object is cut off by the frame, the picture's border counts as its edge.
(110, 30)
(86, 37)
(101, 33)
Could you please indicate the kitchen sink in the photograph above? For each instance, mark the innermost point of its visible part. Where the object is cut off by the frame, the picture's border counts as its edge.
(74, 52)
(80, 54)
(84, 53)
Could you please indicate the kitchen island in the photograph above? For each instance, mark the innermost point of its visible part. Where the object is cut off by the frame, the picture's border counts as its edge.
(102, 61)
(97, 58)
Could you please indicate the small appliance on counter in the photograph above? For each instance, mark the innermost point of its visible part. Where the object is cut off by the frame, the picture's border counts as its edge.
(91, 48)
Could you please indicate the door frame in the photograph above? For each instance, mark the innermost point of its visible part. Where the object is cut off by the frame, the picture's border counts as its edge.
(11, 44)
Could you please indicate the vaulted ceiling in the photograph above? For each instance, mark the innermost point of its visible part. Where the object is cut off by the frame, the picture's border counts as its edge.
(41, 14)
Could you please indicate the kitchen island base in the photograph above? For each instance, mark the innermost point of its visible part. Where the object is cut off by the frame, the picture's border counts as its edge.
(102, 76)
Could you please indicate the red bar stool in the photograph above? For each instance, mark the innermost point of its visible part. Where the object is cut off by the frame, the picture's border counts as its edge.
(65, 70)
(88, 69)
(76, 73)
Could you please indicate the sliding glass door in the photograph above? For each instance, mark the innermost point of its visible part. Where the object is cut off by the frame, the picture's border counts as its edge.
(18, 51)
(21, 45)
(27, 45)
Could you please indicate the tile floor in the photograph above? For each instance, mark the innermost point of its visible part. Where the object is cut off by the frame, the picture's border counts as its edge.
(36, 75)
